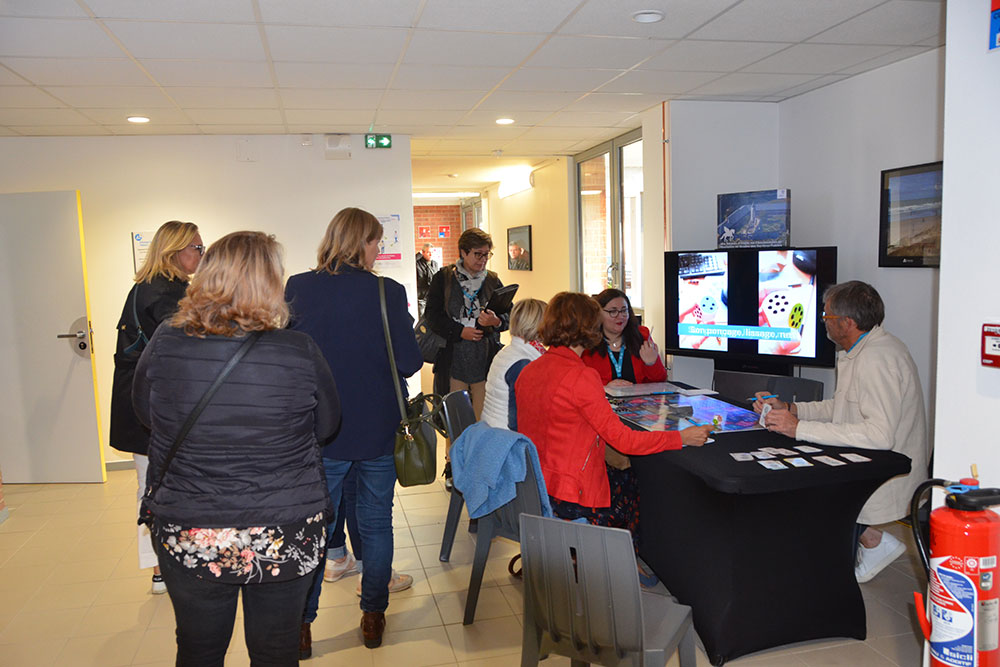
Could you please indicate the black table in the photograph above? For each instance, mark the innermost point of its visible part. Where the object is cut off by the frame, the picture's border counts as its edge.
(764, 557)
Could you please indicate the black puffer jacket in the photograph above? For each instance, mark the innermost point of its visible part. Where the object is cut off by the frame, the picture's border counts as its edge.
(253, 457)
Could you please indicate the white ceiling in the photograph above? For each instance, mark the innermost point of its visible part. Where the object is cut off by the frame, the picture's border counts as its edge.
(572, 73)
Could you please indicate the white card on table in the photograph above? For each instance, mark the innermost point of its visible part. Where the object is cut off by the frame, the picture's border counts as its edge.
(771, 450)
(798, 462)
(785, 452)
(855, 458)
(808, 449)
(773, 465)
(830, 461)
(742, 456)
(762, 455)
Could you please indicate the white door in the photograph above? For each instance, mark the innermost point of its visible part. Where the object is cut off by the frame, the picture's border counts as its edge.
(48, 413)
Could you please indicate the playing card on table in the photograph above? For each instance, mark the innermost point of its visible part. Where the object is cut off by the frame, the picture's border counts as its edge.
(798, 462)
(773, 465)
(762, 455)
(830, 461)
(808, 449)
(855, 458)
(742, 456)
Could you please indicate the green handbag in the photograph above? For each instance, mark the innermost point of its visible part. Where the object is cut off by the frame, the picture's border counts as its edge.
(415, 451)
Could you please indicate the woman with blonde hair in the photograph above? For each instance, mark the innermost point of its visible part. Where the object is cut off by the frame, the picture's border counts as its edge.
(172, 257)
(240, 506)
(338, 305)
(525, 347)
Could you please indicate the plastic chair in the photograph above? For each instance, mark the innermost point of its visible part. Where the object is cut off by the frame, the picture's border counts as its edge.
(739, 385)
(791, 389)
(582, 600)
(458, 415)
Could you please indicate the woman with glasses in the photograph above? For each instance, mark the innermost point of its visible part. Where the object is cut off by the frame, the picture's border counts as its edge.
(173, 255)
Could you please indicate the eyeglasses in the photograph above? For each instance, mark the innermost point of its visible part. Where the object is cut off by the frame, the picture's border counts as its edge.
(831, 317)
(615, 312)
(481, 255)
(199, 248)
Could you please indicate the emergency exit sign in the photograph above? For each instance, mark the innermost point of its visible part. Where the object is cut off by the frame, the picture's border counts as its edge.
(378, 141)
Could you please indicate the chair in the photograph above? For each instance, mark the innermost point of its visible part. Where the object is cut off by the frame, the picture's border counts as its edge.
(458, 415)
(582, 600)
(739, 385)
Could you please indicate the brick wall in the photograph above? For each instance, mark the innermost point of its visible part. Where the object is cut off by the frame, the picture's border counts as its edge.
(436, 217)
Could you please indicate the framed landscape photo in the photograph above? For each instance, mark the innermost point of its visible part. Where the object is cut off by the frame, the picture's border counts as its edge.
(519, 248)
(910, 216)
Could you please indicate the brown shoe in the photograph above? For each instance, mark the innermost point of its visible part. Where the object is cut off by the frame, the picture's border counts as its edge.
(372, 626)
(305, 641)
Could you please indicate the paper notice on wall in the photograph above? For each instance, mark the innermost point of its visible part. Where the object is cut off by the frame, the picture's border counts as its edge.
(140, 246)
(390, 248)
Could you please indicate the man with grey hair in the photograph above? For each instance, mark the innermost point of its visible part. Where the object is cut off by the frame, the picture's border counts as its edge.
(426, 268)
(878, 404)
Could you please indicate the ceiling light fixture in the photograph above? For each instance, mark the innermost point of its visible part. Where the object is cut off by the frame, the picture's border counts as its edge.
(648, 16)
(137, 119)
(505, 121)
(591, 192)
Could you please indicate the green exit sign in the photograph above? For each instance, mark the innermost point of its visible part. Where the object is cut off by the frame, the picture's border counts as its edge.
(378, 141)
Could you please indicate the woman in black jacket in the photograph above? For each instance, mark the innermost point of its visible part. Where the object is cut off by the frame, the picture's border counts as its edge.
(173, 256)
(243, 506)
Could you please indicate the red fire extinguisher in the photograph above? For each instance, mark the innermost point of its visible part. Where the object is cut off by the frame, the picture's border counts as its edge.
(964, 593)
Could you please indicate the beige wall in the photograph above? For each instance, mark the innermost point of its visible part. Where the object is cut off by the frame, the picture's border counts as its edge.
(546, 207)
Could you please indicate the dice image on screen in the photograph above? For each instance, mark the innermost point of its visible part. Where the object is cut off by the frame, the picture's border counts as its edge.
(779, 311)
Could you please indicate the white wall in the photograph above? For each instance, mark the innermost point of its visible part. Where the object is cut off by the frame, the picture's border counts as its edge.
(714, 147)
(969, 396)
(136, 183)
(834, 143)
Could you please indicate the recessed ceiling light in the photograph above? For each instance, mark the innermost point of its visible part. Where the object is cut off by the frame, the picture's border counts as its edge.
(452, 175)
(138, 119)
(648, 16)
(505, 121)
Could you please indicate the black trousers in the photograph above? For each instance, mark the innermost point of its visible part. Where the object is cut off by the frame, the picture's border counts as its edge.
(205, 612)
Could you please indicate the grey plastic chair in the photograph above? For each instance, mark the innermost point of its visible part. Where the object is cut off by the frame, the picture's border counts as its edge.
(458, 415)
(582, 600)
(739, 385)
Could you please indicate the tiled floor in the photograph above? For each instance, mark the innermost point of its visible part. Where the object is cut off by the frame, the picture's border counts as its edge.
(63, 605)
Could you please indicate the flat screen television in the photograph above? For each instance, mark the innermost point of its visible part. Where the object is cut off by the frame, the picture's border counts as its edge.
(750, 309)
(760, 219)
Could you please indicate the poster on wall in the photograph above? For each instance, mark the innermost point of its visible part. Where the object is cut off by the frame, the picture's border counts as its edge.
(140, 246)
(390, 248)
(994, 24)
(760, 219)
(444, 232)
(425, 232)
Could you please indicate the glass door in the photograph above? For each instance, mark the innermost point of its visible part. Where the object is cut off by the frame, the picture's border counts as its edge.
(596, 247)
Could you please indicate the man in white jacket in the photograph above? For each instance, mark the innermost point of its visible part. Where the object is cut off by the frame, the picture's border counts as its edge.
(878, 404)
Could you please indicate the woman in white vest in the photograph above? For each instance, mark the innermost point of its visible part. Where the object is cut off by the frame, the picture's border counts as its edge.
(524, 347)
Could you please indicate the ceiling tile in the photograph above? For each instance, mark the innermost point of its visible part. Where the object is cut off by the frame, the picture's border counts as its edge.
(436, 47)
(559, 79)
(27, 97)
(692, 55)
(615, 18)
(207, 41)
(658, 82)
(37, 8)
(751, 84)
(218, 98)
(148, 97)
(335, 45)
(496, 15)
(485, 133)
(419, 116)
(633, 102)
(781, 20)
(488, 117)
(899, 22)
(325, 98)
(567, 134)
(811, 85)
(317, 75)
(235, 116)
(901, 53)
(60, 130)
(158, 117)
(242, 129)
(323, 128)
(131, 129)
(587, 118)
(208, 73)
(220, 11)
(328, 116)
(546, 147)
(15, 117)
(445, 77)
(431, 99)
(528, 101)
(55, 38)
(604, 52)
(398, 13)
(80, 72)
(817, 58)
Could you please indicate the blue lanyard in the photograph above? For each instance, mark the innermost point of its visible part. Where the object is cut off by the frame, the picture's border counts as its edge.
(472, 298)
(858, 341)
(617, 362)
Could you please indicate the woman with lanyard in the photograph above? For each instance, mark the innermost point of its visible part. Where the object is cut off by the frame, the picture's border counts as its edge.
(625, 355)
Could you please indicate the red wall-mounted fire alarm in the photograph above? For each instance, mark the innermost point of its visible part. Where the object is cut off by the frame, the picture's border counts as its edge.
(991, 345)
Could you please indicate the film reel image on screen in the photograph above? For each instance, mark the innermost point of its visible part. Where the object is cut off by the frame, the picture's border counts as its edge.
(787, 290)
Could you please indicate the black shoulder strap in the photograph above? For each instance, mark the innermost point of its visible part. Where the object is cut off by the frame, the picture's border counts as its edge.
(140, 340)
(388, 346)
(251, 339)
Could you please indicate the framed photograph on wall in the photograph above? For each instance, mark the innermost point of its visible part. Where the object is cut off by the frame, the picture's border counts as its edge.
(519, 248)
(910, 216)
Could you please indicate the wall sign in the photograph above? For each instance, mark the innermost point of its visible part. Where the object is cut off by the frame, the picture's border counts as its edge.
(444, 232)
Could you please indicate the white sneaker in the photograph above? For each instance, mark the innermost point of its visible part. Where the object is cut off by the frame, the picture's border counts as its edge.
(398, 582)
(335, 571)
(159, 588)
(874, 560)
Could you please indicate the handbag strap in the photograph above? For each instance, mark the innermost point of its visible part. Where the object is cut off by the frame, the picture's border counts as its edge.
(388, 346)
(251, 339)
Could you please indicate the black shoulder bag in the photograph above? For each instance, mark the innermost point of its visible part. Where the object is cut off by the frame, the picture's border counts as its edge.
(145, 513)
(415, 451)
(141, 340)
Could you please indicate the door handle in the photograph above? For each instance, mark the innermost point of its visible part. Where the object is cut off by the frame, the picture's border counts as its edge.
(78, 334)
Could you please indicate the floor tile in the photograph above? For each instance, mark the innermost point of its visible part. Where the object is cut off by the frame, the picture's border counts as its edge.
(902, 650)
(53, 595)
(32, 653)
(486, 638)
(41, 626)
(492, 604)
(156, 644)
(111, 650)
(850, 655)
(414, 648)
(114, 618)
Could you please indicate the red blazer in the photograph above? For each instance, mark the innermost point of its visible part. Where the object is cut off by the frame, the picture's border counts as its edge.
(643, 373)
(561, 407)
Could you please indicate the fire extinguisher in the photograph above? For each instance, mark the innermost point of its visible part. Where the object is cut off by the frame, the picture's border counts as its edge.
(961, 575)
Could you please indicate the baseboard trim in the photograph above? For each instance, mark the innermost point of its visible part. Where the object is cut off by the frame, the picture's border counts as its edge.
(123, 464)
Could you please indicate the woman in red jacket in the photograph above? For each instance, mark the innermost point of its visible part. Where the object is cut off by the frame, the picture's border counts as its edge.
(561, 407)
(626, 355)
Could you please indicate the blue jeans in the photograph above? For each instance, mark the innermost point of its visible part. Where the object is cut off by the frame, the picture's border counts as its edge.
(376, 486)
(336, 540)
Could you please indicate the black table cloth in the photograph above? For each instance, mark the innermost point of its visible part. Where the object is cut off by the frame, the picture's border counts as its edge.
(764, 557)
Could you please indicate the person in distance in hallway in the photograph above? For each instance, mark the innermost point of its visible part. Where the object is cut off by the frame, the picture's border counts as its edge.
(426, 268)
(878, 404)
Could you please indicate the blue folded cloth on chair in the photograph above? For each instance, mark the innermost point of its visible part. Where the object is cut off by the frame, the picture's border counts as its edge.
(488, 462)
